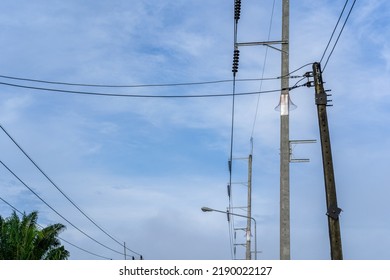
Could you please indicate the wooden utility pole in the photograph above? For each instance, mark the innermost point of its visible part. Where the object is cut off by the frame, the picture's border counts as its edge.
(333, 210)
(284, 139)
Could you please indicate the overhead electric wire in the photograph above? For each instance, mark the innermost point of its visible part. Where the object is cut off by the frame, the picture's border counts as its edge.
(236, 55)
(132, 86)
(55, 211)
(136, 95)
(334, 30)
(86, 251)
(78, 247)
(230, 210)
(262, 74)
(338, 37)
(296, 70)
(296, 84)
(61, 191)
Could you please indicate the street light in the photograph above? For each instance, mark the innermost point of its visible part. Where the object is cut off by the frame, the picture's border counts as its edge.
(208, 209)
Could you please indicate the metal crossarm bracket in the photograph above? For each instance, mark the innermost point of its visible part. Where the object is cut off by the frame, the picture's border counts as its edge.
(333, 212)
(267, 44)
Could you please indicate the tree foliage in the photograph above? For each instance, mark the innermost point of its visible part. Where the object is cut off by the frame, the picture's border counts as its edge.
(22, 239)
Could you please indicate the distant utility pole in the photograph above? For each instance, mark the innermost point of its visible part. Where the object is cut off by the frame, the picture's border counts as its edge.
(249, 212)
(284, 138)
(333, 211)
(248, 208)
(124, 250)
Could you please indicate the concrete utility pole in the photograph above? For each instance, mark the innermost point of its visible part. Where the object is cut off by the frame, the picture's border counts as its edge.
(333, 210)
(284, 127)
(248, 207)
(284, 139)
(249, 211)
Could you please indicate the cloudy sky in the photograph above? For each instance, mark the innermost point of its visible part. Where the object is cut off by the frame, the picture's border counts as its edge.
(142, 168)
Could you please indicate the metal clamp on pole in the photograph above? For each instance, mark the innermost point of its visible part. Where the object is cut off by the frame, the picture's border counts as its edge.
(334, 212)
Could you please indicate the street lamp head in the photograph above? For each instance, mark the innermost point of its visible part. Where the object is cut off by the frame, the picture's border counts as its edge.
(207, 209)
(227, 212)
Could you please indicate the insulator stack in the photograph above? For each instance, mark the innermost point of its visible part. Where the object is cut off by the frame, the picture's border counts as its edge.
(237, 10)
(236, 58)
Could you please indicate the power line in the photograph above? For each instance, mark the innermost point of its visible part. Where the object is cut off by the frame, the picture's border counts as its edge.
(334, 30)
(262, 75)
(17, 210)
(86, 251)
(55, 211)
(296, 84)
(132, 86)
(236, 56)
(296, 70)
(61, 191)
(136, 95)
(341, 31)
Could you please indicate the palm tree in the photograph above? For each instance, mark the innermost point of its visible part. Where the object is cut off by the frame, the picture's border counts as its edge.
(24, 240)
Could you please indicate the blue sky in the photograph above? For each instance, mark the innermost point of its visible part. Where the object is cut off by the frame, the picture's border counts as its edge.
(143, 167)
